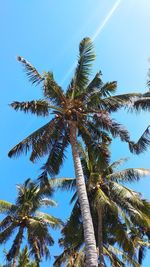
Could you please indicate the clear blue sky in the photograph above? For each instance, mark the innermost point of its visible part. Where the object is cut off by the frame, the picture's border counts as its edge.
(47, 33)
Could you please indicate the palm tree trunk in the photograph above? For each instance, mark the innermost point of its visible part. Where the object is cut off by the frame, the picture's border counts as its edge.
(14, 261)
(100, 236)
(89, 237)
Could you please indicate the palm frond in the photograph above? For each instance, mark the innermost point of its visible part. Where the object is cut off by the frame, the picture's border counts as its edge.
(95, 102)
(48, 202)
(130, 202)
(16, 244)
(38, 107)
(24, 259)
(63, 183)
(61, 258)
(5, 206)
(56, 155)
(6, 222)
(126, 258)
(89, 137)
(96, 133)
(101, 198)
(38, 230)
(34, 248)
(82, 72)
(7, 233)
(49, 219)
(44, 184)
(109, 103)
(80, 259)
(108, 88)
(128, 175)
(92, 88)
(141, 104)
(96, 83)
(74, 197)
(117, 163)
(106, 123)
(31, 71)
(85, 134)
(126, 98)
(141, 254)
(72, 232)
(52, 90)
(115, 261)
(124, 194)
(71, 258)
(40, 135)
(142, 143)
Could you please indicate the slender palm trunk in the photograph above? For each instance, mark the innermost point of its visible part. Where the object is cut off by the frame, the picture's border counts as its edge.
(100, 236)
(14, 261)
(89, 238)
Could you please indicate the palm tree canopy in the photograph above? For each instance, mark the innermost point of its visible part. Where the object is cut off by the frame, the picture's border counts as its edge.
(24, 215)
(88, 103)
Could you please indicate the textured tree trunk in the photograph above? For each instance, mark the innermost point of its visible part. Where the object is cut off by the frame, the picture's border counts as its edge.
(14, 261)
(100, 237)
(89, 237)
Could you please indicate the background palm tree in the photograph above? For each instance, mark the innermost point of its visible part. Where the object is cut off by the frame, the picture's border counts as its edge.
(24, 217)
(116, 210)
(24, 259)
(83, 110)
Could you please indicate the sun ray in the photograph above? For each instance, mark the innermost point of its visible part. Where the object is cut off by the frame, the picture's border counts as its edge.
(107, 18)
(97, 32)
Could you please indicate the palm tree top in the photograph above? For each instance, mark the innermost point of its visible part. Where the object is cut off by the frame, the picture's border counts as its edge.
(25, 215)
(85, 104)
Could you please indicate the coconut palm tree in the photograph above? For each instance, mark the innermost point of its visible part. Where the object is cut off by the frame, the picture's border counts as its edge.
(24, 259)
(82, 110)
(23, 218)
(115, 210)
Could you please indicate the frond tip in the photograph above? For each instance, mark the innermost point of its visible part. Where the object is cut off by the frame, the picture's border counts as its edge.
(38, 107)
(142, 143)
(31, 71)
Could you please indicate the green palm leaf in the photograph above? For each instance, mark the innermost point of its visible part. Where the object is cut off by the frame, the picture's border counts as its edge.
(48, 202)
(142, 143)
(82, 72)
(5, 206)
(117, 163)
(7, 233)
(31, 71)
(38, 107)
(128, 259)
(48, 219)
(128, 175)
(52, 90)
(40, 136)
(24, 218)
(56, 155)
(63, 183)
(109, 125)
